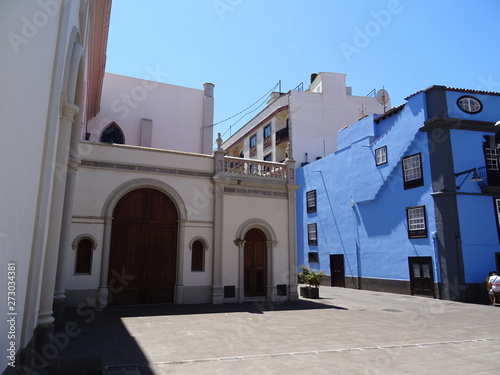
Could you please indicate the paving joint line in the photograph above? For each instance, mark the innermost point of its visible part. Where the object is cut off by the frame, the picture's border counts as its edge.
(290, 354)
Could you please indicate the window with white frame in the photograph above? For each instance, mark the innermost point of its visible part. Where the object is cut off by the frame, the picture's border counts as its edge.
(417, 226)
(491, 158)
(469, 104)
(412, 171)
(312, 234)
(311, 201)
(381, 155)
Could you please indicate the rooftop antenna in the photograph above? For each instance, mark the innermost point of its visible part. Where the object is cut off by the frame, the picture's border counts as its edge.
(382, 97)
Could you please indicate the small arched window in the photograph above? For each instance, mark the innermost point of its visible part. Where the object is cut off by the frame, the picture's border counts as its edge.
(198, 255)
(84, 247)
(112, 134)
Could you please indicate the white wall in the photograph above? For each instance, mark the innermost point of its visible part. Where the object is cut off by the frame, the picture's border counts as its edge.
(176, 112)
(35, 43)
(317, 117)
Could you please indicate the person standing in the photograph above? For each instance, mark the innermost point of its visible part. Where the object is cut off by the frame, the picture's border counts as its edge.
(494, 282)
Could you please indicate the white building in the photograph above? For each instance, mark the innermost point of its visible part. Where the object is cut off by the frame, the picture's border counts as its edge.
(87, 223)
(308, 119)
(142, 112)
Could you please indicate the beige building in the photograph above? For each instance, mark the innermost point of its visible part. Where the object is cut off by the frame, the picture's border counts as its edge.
(308, 119)
(88, 222)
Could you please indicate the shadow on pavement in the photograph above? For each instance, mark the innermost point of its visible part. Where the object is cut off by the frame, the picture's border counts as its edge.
(103, 340)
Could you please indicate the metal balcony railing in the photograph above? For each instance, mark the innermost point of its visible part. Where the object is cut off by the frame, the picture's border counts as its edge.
(483, 173)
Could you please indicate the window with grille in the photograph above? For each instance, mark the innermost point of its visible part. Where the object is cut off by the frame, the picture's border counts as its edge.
(311, 201)
(312, 234)
(412, 171)
(491, 159)
(381, 155)
(469, 104)
(417, 226)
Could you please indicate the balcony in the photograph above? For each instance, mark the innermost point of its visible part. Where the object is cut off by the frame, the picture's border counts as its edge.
(490, 183)
(254, 168)
(282, 136)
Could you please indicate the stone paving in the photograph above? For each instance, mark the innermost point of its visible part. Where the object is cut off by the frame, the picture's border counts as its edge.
(346, 331)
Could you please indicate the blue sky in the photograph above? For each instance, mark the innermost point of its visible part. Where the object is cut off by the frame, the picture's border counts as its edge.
(245, 47)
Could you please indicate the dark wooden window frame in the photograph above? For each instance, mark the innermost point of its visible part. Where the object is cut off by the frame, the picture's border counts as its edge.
(416, 233)
(385, 153)
(414, 182)
(311, 195)
(313, 257)
(312, 228)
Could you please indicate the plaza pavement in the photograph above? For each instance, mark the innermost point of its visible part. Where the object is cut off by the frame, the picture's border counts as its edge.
(346, 331)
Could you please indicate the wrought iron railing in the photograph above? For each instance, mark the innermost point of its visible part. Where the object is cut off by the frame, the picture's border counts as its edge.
(257, 168)
(483, 173)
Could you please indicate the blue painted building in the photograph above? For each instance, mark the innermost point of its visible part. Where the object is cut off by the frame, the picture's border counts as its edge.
(394, 209)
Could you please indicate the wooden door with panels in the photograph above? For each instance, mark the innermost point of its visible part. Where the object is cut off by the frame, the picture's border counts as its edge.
(143, 254)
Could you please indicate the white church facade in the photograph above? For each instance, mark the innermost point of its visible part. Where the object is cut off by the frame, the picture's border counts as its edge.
(157, 217)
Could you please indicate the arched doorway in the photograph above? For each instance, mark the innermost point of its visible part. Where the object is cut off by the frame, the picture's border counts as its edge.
(143, 252)
(255, 263)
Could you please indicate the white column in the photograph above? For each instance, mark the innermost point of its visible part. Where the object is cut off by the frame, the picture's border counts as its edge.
(56, 214)
(102, 294)
(241, 269)
(271, 284)
(65, 243)
(179, 283)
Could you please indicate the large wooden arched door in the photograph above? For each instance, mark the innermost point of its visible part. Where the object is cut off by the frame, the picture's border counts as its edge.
(143, 254)
(255, 263)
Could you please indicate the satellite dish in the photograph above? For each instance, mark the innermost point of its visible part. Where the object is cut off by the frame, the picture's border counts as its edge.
(382, 96)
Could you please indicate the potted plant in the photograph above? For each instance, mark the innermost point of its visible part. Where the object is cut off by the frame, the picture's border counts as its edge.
(315, 281)
(304, 279)
(313, 278)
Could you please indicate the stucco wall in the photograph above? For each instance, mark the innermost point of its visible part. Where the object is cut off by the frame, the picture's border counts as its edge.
(361, 207)
(176, 112)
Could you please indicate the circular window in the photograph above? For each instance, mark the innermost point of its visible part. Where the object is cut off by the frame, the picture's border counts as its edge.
(469, 104)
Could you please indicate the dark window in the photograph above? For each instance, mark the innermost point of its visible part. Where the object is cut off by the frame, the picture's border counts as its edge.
(229, 291)
(197, 253)
(412, 171)
(417, 224)
(267, 131)
(268, 157)
(311, 201)
(83, 263)
(112, 134)
(496, 201)
(381, 155)
(313, 257)
(469, 104)
(312, 234)
(253, 141)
